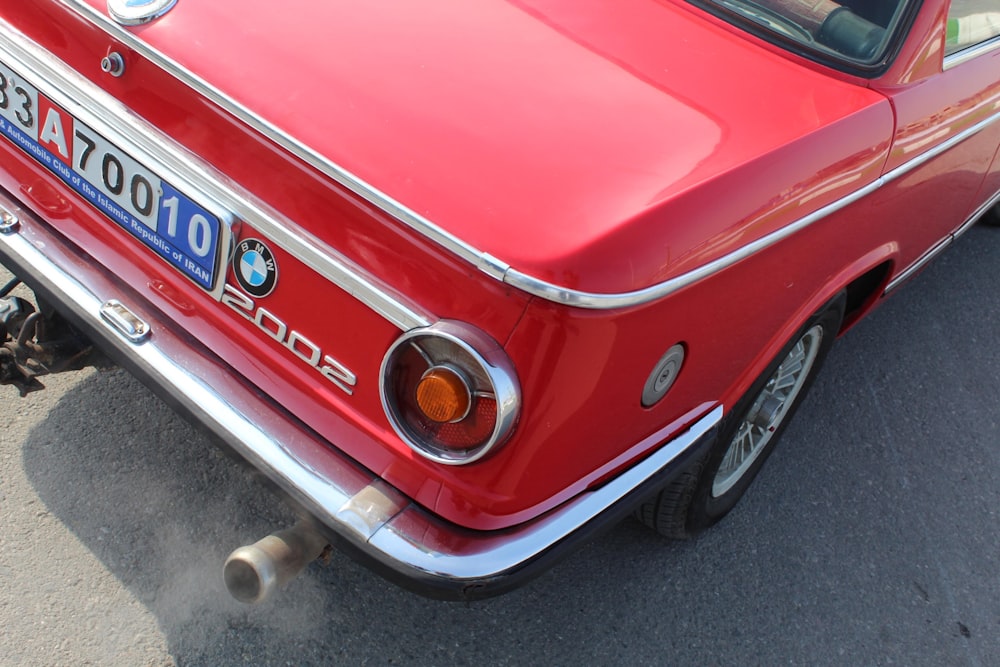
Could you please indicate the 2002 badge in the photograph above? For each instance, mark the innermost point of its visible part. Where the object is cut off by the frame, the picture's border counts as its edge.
(256, 272)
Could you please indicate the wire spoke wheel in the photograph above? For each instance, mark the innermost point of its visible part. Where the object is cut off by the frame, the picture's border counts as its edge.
(705, 491)
(768, 411)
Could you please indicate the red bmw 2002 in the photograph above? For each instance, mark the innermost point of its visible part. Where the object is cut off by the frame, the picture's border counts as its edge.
(470, 280)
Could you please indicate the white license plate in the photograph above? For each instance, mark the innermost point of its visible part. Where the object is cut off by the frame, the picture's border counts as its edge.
(169, 222)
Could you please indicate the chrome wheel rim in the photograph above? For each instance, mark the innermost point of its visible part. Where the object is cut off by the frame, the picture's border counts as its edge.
(768, 411)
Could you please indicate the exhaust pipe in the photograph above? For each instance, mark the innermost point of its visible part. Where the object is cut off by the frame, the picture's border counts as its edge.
(253, 573)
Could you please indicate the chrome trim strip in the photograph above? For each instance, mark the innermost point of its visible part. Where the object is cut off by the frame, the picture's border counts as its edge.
(398, 535)
(504, 554)
(116, 122)
(483, 261)
(922, 261)
(908, 272)
(607, 301)
(185, 171)
(356, 185)
(939, 149)
(965, 55)
(978, 213)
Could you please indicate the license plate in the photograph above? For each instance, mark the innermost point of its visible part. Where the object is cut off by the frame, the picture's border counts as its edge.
(170, 223)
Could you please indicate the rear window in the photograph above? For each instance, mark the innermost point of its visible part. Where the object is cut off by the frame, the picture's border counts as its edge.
(857, 33)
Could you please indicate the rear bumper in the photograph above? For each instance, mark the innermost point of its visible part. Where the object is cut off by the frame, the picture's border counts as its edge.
(356, 510)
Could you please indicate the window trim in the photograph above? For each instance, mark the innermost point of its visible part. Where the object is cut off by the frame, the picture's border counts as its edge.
(970, 53)
(872, 70)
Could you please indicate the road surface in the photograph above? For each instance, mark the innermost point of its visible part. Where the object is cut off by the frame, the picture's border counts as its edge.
(872, 537)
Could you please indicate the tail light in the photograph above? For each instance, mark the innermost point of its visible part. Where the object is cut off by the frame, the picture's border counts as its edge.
(450, 392)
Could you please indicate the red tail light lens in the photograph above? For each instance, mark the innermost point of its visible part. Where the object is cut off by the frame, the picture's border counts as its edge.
(450, 392)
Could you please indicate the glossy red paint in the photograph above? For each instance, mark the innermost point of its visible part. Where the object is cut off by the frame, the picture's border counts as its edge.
(348, 226)
(934, 107)
(416, 100)
(341, 325)
(487, 495)
(568, 139)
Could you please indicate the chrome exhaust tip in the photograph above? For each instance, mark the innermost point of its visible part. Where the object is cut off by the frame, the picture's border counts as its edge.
(254, 572)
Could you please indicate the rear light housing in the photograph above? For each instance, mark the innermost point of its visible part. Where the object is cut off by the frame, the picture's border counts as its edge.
(450, 392)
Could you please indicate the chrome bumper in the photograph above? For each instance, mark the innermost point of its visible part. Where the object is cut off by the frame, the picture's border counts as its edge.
(357, 511)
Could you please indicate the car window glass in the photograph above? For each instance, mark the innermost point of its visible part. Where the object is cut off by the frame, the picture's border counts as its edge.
(971, 22)
(856, 31)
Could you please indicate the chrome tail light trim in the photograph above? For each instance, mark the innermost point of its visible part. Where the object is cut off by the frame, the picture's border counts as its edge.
(400, 540)
(491, 360)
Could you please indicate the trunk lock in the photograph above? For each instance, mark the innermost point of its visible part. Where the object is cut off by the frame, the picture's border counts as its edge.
(113, 64)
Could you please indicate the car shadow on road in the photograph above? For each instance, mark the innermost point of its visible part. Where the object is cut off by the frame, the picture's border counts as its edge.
(840, 555)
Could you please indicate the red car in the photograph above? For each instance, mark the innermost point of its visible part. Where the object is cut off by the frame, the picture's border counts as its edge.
(469, 281)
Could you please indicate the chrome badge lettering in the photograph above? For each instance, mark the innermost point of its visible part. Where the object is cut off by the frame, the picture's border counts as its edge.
(137, 12)
(299, 345)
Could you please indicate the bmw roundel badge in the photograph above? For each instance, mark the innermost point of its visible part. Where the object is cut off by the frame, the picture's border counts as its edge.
(255, 268)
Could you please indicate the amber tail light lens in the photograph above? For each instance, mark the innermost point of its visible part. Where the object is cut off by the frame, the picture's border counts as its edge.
(444, 395)
(450, 392)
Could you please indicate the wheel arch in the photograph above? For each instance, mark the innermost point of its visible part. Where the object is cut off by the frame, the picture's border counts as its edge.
(863, 282)
(864, 292)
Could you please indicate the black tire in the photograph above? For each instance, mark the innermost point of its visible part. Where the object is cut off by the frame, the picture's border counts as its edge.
(708, 490)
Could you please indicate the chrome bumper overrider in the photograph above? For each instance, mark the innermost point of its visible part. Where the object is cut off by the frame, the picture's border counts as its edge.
(355, 509)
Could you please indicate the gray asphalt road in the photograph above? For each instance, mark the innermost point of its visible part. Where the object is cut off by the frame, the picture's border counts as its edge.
(871, 538)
